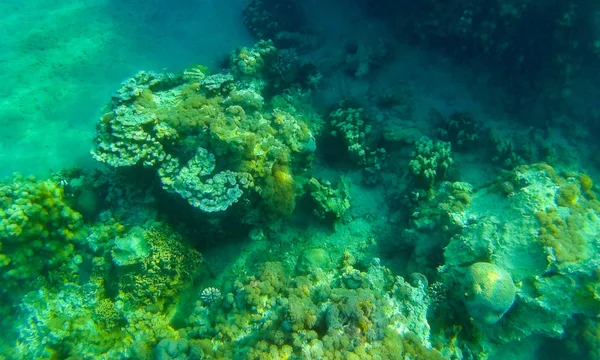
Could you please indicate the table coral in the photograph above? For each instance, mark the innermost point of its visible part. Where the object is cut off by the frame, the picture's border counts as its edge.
(186, 130)
(194, 183)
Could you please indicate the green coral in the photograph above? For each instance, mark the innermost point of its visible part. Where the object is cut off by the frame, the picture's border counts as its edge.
(54, 325)
(184, 131)
(349, 125)
(158, 268)
(277, 314)
(329, 203)
(38, 230)
(119, 309)
(489, 292)
(430, 161)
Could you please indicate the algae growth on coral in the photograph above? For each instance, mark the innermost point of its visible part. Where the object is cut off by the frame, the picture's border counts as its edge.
(308, 197)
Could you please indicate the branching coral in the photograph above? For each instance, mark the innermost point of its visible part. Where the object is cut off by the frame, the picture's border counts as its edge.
(430, 161)
(349, 125)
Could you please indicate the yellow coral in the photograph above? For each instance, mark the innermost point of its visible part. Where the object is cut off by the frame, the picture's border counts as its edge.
(280, 192)
(587, 184)
(567, 195)
(562, 235)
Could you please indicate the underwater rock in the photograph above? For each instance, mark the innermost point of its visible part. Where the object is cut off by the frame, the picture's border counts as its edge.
(312, 260)
(88, 204)
(489, 292)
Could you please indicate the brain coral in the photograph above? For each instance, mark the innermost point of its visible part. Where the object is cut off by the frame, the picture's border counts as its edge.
(489, 292)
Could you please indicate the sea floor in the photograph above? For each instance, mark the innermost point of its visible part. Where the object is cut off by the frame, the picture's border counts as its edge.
(62, 61)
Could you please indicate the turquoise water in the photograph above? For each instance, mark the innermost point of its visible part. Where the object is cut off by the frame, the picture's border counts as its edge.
(63, 61)
(299, 180)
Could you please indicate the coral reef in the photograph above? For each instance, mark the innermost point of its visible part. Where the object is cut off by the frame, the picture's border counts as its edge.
(278, 314)
(123, 317)
(186, 131)
(543, 235)
(214, 229)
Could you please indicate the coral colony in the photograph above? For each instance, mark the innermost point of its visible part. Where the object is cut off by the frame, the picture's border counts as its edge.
(231, 217)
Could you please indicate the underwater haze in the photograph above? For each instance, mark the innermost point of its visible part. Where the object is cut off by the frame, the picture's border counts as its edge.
(285, 179)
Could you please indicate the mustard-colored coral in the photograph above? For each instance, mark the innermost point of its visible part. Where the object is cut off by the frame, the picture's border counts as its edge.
(38, 230)
(161, 274)
(562, 235)
(113, 311)
(563, 227)
(279, 191)
(567, 195)
(278, 315)
(587, 184)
